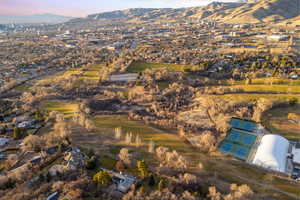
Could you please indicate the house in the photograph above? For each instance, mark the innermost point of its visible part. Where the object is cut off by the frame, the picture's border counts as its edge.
(122, 181)
(295, 76)
(3, 141)
(51, 150)
(2, 156)
(278, 37)
(75, 159)
(36, 160)
(53, 196)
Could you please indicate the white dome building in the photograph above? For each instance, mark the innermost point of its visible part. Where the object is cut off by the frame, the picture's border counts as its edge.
(272, 153)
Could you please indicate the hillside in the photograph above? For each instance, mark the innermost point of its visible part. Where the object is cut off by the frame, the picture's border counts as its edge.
(293, 21)
(252, 11)
(34, 19)
(261, 11)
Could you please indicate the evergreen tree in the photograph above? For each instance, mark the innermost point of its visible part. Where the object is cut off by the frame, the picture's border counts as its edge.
(102, 178)
(17, 133)
(151, 182)
(141, 165)
(162, 184)
(91, 163)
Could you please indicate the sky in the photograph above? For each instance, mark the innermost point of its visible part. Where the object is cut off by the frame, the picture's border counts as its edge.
(81, 8)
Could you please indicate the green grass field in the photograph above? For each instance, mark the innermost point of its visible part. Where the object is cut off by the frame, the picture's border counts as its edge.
(92, 72)
(136, 67)
(267, 81)
(64, 107)
(268, 88)
(146, 132)
(253, 97)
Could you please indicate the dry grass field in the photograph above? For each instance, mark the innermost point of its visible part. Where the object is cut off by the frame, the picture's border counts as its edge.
(276, 120)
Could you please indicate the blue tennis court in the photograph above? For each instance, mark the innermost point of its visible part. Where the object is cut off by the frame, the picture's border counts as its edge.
(234, 135)
(234, 150)
(226, 147)
(249, 139)
(243, 124)
(242, 138)
(241, 152)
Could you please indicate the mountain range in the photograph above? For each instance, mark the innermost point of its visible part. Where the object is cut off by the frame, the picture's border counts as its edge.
(243, 11)
(246, 11)
(34, 19)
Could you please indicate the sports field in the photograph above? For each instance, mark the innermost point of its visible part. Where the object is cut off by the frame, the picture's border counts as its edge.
(238, 144)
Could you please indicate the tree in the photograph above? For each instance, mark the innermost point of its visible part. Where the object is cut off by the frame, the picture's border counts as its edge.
(120, 166)
(33, 143)
(17, 133)
(125, 156)
(38, 114)
(118, 133)
(248, 81)
(162, 184)
(151, 182)
(151, 147)
(181, 132)
(141, 165)
(213, 194)
(293, 101)
(128, 138)
(206, 141)
(138, 141)
(187, 179)
(91, 163)
(3, 131)
(102, 178)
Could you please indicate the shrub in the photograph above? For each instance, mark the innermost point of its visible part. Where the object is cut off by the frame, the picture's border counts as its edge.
(141, 165)
(162, 184)
(102, 178)
(293, 101)
(91, 163)
(17, 133)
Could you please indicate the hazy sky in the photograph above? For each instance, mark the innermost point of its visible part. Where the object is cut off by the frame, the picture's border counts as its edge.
(84, 7)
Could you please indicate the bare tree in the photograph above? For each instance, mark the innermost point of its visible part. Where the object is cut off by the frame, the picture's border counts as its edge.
(128, 138)
(118, 133)
(151, 147)
(125, 156)
(33, 143)
(138, 141)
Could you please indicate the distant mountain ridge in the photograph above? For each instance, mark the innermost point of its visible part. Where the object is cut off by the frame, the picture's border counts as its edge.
(246, 11)
(34, 19)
